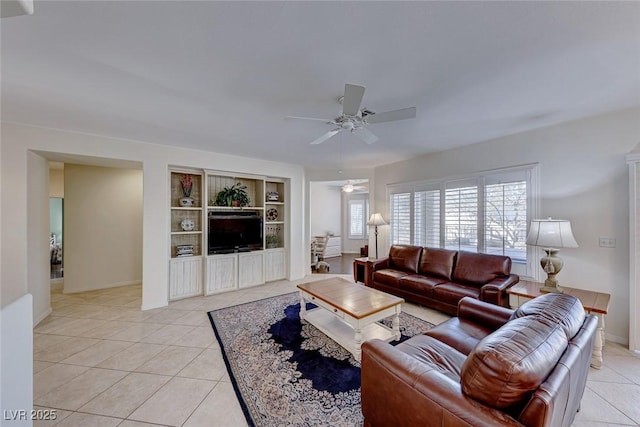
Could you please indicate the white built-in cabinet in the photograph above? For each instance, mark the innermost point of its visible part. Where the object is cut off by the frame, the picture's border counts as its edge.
(222, 273)
(197, 272)
(250, 268)
(274, 264)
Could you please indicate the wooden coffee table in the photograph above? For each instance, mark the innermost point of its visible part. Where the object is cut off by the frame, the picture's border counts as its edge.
(347, 313)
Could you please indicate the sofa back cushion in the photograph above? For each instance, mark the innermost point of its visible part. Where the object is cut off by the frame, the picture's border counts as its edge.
(405, 257)
(565, 310)
(507, 366)
(511, 363)
(478, 269)
(437, 262)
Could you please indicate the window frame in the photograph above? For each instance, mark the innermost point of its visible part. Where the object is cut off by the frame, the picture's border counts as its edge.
(364, 201)
(530, 172)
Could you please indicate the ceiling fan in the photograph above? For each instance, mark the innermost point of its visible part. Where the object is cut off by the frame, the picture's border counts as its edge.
(350, 187)
(354, 119)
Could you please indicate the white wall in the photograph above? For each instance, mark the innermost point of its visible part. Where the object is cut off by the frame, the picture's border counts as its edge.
(56, 183)
(103, 227)
(155, 160)
(325, 209)
(583, 179)
(38, 248)
(16, 360)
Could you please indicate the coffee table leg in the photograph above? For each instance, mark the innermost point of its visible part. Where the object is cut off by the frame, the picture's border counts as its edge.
(303, 306)
(396, 326)
(358, 344)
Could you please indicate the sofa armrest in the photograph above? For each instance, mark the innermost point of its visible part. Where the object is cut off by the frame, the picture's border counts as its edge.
(398, 390)
(493, 291)
(373, 265)
(483, 313)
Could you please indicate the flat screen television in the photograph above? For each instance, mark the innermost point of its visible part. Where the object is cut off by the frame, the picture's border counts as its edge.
(234, 232)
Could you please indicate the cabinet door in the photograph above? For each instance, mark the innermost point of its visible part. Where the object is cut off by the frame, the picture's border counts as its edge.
(222, 273)
(185, 279)
(250, 269)
(274, 268)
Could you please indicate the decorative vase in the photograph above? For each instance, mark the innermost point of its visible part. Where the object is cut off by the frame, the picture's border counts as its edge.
(187, 224)
(186, 202)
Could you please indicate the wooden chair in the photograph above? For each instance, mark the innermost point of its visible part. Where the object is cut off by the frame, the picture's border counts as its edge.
(318, 246)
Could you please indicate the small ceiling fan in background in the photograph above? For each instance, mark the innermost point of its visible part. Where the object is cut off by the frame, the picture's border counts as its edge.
(351, 186)
(354, 119)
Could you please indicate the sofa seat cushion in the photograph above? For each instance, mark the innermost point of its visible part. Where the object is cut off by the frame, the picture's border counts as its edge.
(437, 263)
(506, 367)
(436, 354)
(417, 284)
(459, 333)
(389, 276)
(479, 269)
(405, 257)
(452, 293)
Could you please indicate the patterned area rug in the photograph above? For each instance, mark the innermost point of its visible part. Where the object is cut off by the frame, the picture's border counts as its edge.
(286, 372)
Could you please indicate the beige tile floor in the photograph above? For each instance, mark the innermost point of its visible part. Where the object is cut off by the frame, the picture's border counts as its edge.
(101, 361)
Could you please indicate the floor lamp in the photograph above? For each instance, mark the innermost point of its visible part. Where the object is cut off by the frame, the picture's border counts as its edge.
(376, 220)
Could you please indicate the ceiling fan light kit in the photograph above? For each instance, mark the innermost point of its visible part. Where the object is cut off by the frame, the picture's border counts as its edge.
(354, 118)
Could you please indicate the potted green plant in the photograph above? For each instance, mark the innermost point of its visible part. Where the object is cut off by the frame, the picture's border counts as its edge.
(235, 195)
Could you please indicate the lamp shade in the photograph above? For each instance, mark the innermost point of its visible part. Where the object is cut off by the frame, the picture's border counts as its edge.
(551, 233)
(376, 219)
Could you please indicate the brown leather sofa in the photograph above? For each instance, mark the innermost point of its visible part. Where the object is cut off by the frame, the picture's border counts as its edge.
(489, 366)
(440, 278)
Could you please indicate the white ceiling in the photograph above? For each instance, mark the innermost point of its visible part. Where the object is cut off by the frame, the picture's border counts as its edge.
(221, 76)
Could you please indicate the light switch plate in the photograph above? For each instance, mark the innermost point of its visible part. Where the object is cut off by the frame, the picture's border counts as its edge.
(607, 242)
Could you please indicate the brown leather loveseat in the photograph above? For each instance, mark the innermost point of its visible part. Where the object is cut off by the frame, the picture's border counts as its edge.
(440, 278)
(489, 366)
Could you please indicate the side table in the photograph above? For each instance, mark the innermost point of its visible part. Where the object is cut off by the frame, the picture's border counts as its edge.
(359, 269)
(596, 303)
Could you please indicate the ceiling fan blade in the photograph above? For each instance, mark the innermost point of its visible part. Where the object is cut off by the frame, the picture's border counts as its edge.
(310, 118)
(352, 99)
(365, 135)
(389, 116)
(324, 137)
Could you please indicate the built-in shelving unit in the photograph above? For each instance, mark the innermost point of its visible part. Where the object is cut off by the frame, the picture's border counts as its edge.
(186, 232)
(200, 272)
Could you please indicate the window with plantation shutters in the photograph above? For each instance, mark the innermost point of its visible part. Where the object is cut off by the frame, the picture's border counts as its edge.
(426, 208)
(461, 218)
(505, 223)
(358, 217)
(400, 218)
(488, 212)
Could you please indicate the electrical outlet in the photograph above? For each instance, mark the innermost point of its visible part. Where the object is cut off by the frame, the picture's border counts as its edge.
(607, 242)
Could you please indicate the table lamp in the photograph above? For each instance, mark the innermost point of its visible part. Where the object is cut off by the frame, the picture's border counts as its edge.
(376, 220)
(550, 235)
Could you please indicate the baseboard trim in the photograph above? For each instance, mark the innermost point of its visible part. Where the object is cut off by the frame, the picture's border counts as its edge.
(42, 317)
(107, 286)
(616, 339)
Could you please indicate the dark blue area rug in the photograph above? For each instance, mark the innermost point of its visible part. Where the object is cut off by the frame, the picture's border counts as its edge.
(286, 372)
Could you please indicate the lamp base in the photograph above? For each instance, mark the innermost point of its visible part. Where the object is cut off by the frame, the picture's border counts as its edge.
(551, 264)
(551, 289)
